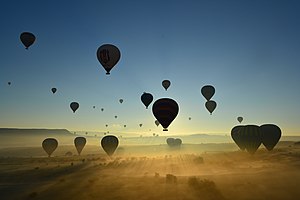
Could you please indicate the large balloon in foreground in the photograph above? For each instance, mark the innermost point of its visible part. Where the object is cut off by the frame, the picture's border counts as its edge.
(108, 55)
(109, 144)
(53, 90)
(240, 119)
(74, 106)
(166, 84)
(208, 92)
(79, 143)
(270, 135)
(49, 145)
(252, 137)
(211, 106)
(237, 137)
(146, 98)
(27, 39)
(165, 111)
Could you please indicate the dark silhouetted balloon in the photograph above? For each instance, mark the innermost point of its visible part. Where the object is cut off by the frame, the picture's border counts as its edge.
(177, 142)
(116, 116)
(208, 92)
(140, 125)
(190, 118)
(49, 145)
(146, 98)
(166, 84)
(240, 119)
(211, 106)
(79, 143)
(157, 123)
(237, 137)
(109, 144)
(9, 83)
(108, 55)
(124, 126)
(252, 136)
(170, 141)
(165, 111)
(27, 39)
(270, 135)
(53, 90)
(94, 107)
(121, 100)
(106, 125)
(74, 106)
(102, 109)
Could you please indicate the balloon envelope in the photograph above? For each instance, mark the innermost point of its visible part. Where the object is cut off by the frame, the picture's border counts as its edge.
(79, 143)
(270, 135)
(109, 144)
(165, 111)
(211, 106)
(53, 90)
(108, 55)
(121, 100)
(252, 137)
(74, 106)
(27, 39)
(166, 84)
(237, 137)
(156, 122)
(240, 119)
(208, 92)
(146, 98)
(49, 145)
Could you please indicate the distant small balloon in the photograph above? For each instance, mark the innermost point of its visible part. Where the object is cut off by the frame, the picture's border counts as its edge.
(49, 145)
(116, 117)
(208, 92)
(166, 84)
(94, 107)
(146, 98)
(121, 100)
(53, 90)
(102, 109)
(190, 118)
(109, 144)
(156, 122)
(27, 39)
(240, 119)
(74, 106)
(140, 125)
(9, 83)
(79, 144)
(108, 55)
(211, 106)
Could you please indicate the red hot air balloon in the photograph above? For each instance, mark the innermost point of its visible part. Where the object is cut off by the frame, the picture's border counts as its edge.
(165, 111)
(108, 55)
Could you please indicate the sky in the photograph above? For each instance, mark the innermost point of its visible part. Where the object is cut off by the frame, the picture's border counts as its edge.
(248, 50)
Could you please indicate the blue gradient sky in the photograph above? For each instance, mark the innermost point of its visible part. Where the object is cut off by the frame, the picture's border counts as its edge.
(249, 50)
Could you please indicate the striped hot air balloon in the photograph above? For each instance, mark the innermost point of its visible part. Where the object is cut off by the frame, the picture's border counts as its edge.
(165, 111)
(252, 136)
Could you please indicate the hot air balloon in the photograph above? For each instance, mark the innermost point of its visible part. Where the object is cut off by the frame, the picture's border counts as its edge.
(211, 106)
(140, 125)
(102, 109)
(116, 116)
(166, 84)
(190, 118)
(121, 100)
(165, 111)
(109, 144)
(108, 55)
(79, 143)
(53, 90)
(74, 106)
(270, 135)
(106, 125)
(208, 92)
(124, 126)
(177, 142)
(49, 145)
(27, 39)
(252, 136)
(146, 98)
(156, 122)
(237, 137)
(9, 83)
(170, 141)
(240, 119)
